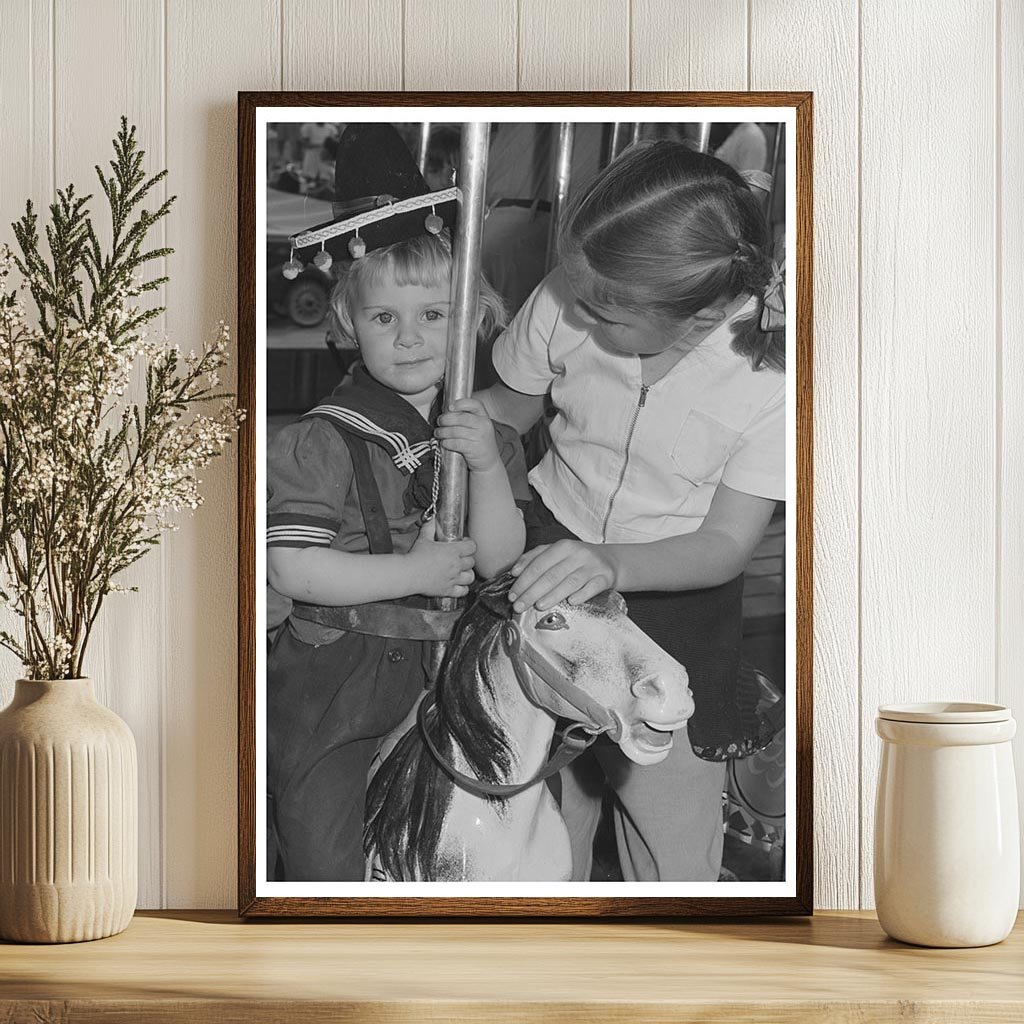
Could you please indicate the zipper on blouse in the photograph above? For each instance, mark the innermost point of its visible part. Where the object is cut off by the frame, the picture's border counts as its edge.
(642, 401)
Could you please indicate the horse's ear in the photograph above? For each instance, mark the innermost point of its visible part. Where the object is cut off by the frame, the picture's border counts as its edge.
(493, 595)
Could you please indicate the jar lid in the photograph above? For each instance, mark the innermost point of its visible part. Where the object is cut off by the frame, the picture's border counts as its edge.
(945, 713)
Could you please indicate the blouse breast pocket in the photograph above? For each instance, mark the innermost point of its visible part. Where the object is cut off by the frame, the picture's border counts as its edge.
(702, 447)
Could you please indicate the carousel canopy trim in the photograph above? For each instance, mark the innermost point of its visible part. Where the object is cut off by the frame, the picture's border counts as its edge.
(343, 227)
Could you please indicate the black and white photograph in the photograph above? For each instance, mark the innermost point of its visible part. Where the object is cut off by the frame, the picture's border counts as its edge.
(525, 519)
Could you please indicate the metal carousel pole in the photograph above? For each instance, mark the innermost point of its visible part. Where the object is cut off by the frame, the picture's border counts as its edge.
(704, 137)
(459, 365)
(421, 156)
(780, 138)
(560, 194)
(615, 141)
(636, 134)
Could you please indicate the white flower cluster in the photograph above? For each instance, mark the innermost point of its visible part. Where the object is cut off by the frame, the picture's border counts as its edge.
(101, 442)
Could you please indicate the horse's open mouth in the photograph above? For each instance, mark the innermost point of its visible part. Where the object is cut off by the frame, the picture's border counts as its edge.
(652, 737)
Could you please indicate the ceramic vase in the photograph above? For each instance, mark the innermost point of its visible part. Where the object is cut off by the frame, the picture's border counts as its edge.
(947, 847)
(68, 815)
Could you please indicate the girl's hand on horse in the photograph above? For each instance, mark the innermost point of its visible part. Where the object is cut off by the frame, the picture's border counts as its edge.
(466, 428)
(441, 568)
(566, 570)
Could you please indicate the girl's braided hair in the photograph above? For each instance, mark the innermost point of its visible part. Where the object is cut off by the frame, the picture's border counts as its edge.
(666, 232)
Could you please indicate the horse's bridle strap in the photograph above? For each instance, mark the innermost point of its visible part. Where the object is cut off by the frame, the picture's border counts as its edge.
(525, 654)
(569, 748)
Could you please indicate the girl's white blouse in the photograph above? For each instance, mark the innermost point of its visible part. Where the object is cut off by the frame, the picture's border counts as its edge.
(628, 464)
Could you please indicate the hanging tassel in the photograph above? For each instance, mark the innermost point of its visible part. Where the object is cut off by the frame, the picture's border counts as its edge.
(323, 260)
(292, 268)
(433, 223)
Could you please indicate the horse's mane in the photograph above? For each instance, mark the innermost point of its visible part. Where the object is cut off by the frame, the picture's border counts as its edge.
(409, 797)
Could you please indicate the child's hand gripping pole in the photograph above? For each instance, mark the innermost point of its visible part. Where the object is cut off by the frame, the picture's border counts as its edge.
(462, 329)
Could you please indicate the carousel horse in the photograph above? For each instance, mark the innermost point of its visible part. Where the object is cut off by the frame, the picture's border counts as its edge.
(457, 790)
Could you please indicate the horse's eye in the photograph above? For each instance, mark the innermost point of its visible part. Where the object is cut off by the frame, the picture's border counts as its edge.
(553, 621)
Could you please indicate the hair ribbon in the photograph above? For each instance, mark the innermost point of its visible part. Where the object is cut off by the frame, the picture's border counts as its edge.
(760, 180)
(773, 316)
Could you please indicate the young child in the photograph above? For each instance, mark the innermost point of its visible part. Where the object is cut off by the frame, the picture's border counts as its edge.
(657, 339)
(349, 542)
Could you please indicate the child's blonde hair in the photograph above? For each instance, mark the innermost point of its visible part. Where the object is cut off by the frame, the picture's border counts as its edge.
(425, 260)
(666, 232)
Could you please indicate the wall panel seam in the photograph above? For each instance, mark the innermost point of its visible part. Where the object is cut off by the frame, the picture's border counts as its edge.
(33, 170)
(519, 44)
(53, 98)
(997, 164)
(860, 455)
(750, 43)
(162, 696)
(629, 38)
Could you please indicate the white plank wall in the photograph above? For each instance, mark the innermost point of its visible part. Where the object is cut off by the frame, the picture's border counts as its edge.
(700, 44)
(460, 44)
(226, 46)
(831, 72)
(1009, 273)
(574, 44)
(347, 44)
(928, 413)
(26, 121)
(919, 294)
(132, 678)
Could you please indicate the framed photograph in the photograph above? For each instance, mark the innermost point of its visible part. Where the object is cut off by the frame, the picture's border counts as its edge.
(525, 504)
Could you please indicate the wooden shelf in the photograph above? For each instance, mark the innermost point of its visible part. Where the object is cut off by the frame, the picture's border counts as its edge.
(208, 966)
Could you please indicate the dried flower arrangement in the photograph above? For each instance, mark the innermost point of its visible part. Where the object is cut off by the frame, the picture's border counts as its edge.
(89, 477)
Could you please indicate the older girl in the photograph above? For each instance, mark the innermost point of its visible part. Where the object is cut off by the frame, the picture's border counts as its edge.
(657, 338)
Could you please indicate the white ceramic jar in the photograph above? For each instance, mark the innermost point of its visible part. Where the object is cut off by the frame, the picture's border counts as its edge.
(947, 847)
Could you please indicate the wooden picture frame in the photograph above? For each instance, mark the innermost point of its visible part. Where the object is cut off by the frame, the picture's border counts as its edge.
(260, 896)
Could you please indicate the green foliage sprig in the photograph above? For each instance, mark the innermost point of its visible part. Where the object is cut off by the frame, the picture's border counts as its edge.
(89, 478)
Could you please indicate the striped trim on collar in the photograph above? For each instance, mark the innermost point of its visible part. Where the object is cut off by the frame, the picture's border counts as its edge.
(406, 457)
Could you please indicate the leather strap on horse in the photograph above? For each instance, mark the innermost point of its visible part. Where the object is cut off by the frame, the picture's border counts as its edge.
(569, 748)
(382, 618)
(524, 656)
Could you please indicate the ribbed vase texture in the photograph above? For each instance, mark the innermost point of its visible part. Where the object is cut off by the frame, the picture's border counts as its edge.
(68, 815)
